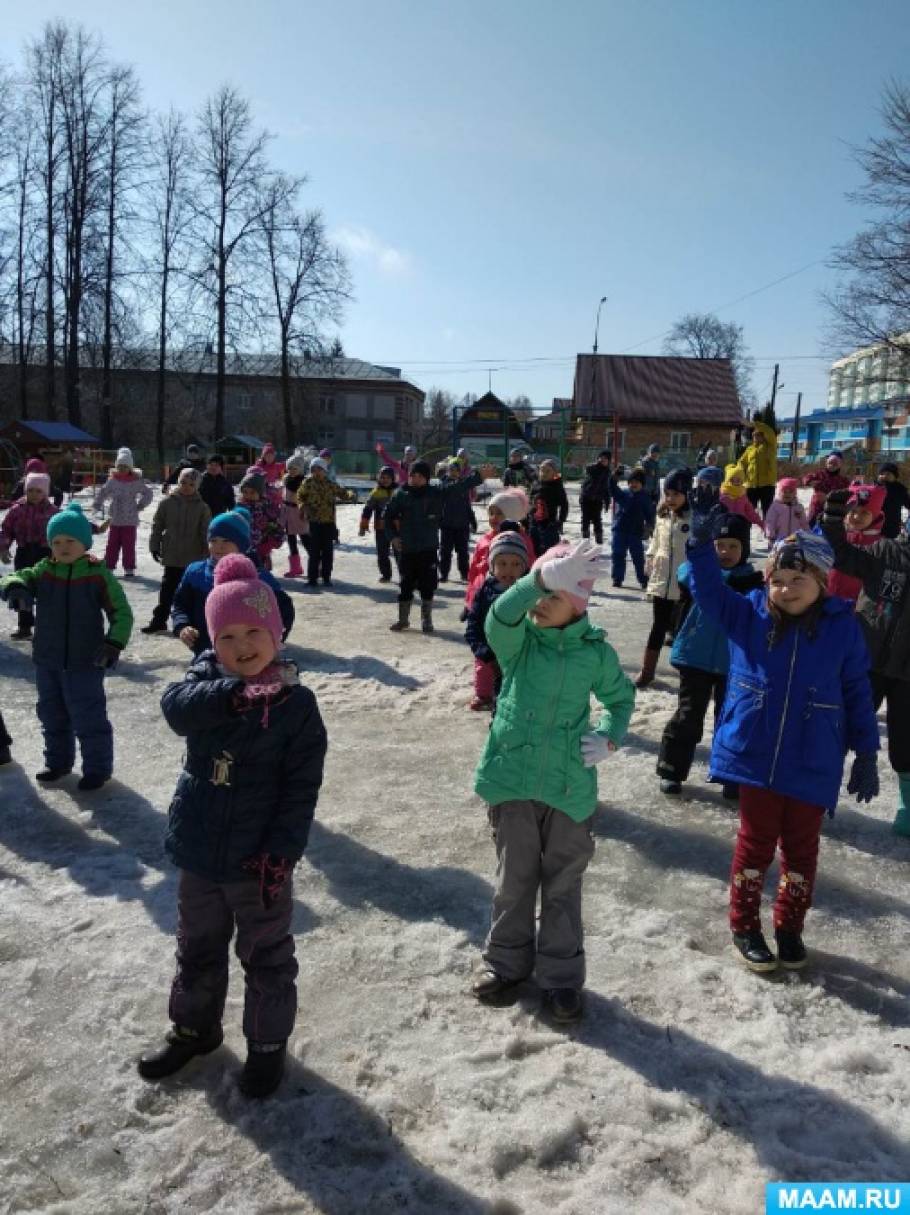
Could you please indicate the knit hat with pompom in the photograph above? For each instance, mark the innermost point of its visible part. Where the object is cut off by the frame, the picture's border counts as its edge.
(241, 597)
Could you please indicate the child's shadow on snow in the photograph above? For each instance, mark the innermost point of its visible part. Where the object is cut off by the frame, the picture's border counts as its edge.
(360, 666)
(311, 1128)
(360, 877)
(795, 1129)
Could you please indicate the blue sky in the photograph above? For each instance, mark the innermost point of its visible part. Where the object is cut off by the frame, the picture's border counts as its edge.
(494, 168)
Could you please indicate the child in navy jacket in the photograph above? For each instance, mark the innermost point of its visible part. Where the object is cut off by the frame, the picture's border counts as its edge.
(237, 825)
(798, 698)
(508, 562)
(635, 514)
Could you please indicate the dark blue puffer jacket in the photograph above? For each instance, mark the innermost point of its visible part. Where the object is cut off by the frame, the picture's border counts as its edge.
(792, 711)
(700, 642)
(188, 610)
(474, 633)
(635, 511)
(250, 780)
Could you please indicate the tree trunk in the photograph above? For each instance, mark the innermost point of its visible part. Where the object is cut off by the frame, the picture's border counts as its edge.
(221, 368)
(289, 437)
(107, 419)
(162, 356)
(50, 386)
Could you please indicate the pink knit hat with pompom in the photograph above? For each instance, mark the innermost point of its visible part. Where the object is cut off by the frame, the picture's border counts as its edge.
(578, 601)
(241, 597)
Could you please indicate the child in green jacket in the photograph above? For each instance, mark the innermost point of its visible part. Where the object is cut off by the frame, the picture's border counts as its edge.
(83, 623)
(537, 772)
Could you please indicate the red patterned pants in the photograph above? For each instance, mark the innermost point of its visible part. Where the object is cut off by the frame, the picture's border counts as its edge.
(769, 820)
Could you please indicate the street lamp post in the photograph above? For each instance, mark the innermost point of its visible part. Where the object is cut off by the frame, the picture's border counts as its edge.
(603, 300)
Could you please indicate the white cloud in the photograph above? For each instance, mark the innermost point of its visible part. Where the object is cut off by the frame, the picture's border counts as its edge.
(360, 242)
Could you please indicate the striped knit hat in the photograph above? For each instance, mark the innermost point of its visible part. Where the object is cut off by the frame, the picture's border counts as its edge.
(801, 551)
(512, 543)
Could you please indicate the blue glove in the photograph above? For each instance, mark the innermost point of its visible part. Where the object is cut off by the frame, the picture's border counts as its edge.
(594, 748)
(706, 511)
(864, 777)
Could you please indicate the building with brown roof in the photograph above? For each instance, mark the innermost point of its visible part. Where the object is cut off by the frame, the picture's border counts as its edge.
(679, 403)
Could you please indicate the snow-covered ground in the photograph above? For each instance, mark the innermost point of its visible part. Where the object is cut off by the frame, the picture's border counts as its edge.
(689, 1083)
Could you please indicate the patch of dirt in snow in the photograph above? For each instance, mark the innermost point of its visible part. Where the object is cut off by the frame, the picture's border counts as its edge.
(688, 1084)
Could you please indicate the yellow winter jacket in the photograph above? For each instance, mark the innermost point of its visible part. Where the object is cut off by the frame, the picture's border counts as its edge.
(759, 464)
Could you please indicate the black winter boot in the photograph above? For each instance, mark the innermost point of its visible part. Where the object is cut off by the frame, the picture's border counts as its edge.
(404, 617)
(426, 616)
(263, 1069)
(48, 775)
(791, 952)
(563, 1003)
(753, 949)
(180, 1045)
(490, 987)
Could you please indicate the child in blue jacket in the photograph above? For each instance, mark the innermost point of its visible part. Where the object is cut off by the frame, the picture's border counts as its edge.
(227, 533)
(237, 825)
(798, 698)
(634, 518)
(508, 562)
(701, 655)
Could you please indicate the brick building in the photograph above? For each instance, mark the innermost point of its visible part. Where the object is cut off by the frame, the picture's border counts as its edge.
(680, 403)
(342, 403)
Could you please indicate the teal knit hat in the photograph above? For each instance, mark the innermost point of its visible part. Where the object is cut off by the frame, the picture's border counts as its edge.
(70, 522)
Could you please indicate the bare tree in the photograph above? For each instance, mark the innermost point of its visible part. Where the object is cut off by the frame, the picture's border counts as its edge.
(700, 335)
(309, 279)
(82, 100)
(171, 219)
(124, 130)
(871, 304)
(43, 72)
(230, 168)
(437, 419)
(27, 274)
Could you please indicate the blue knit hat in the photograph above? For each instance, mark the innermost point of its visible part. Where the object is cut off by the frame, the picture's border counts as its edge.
(70, 522)
(233, 525)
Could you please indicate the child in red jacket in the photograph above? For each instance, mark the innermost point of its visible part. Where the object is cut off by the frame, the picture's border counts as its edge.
(863, 525)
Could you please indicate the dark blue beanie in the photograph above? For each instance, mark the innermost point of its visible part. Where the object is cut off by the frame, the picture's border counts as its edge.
(233, 525)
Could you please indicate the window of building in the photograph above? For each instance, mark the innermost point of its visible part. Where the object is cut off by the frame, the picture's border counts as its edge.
(325, 435)
(384, 408)
(326, 404)
(680, 440)
(402, 412)
(355, 405)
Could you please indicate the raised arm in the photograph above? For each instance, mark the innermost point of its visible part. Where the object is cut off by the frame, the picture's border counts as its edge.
(734, 613)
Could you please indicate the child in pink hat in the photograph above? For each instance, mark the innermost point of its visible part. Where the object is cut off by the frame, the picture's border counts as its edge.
(863, 524)
(237, 826)
(786, 514)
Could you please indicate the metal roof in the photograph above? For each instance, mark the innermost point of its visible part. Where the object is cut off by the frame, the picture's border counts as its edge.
(656, 388)
(55, 432)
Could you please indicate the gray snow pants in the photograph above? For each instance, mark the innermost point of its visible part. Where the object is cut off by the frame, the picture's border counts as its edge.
(538, 847)
(206, 915)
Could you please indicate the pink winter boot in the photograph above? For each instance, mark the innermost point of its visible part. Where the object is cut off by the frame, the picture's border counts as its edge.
(294, 569)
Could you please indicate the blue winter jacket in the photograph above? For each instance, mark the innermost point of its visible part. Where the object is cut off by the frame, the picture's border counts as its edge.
(188, 610)
(635, 510)
(250, 778)
(474, 632)
(700, 642)
(792, 711)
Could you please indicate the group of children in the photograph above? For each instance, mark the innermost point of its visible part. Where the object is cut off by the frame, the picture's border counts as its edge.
(786, 660)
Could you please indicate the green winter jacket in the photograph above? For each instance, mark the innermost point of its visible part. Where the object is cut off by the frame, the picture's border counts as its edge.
(533, 747)
(180, 530)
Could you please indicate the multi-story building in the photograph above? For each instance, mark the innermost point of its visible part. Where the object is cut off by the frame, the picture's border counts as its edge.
(341, 403)
(868, 407)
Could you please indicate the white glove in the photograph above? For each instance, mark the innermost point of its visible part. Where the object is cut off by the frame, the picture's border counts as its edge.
(586, 562)
(594, 748)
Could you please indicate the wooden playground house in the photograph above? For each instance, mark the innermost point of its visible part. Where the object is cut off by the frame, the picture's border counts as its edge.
(75, 459)
(239, 451)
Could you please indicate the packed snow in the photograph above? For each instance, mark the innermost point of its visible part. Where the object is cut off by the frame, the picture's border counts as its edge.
(689, 1083)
